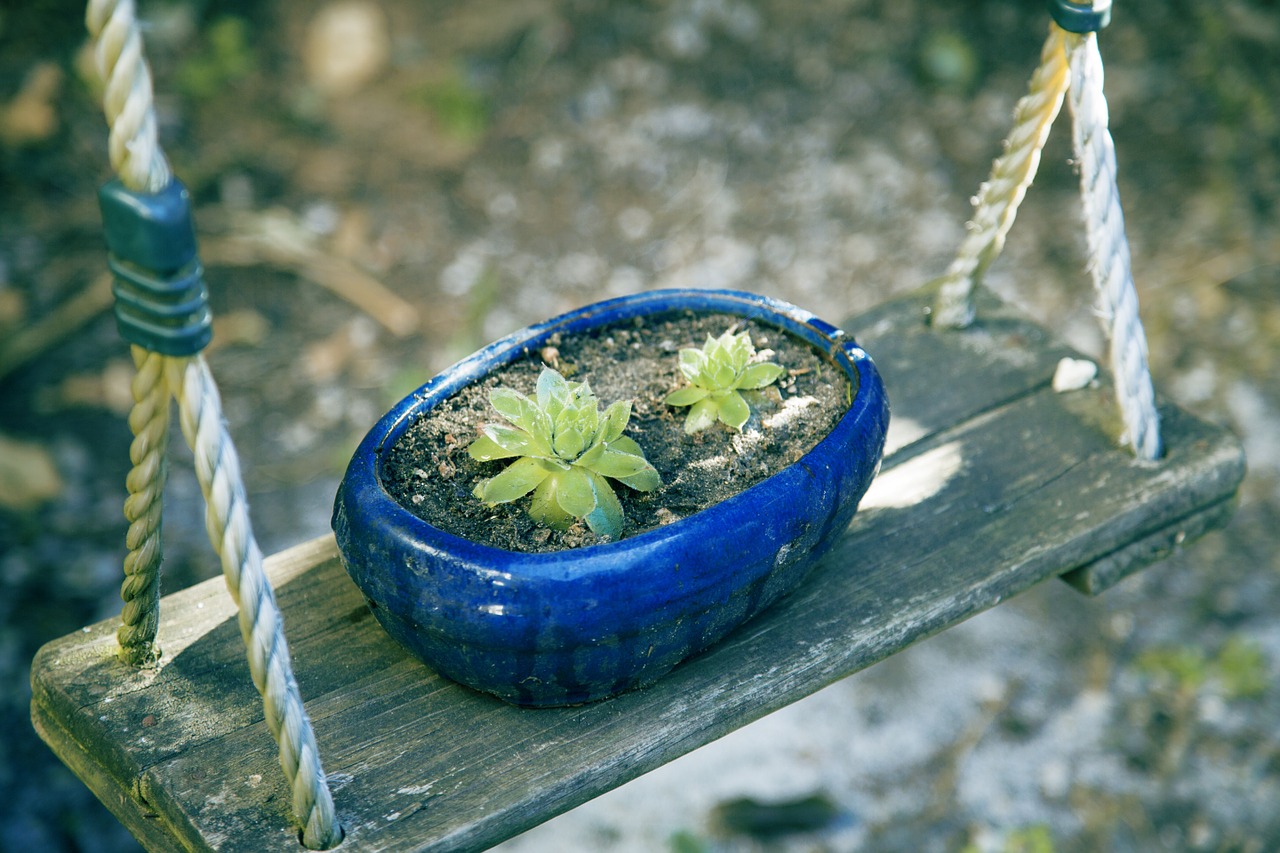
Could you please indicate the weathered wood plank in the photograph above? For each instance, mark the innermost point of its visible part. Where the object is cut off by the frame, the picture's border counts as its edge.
(145, 824)
(936, 379)
(1105, 572)
(994, 484)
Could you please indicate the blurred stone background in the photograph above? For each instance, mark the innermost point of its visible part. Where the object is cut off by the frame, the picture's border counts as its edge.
(383, 186)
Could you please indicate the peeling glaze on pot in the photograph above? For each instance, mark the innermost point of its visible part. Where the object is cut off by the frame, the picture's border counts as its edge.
(578, 625)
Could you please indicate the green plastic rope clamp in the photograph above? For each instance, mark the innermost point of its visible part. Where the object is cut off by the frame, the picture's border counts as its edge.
(1080, 18)
(161, 303)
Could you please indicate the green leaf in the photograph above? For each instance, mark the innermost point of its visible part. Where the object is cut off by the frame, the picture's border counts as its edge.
(499, 442)
(536, 422)
(485, 449)
(623, 444)
(606, 518)
(509, 403)
(645, 479)
(585, 420)
(691, 363)
(582, 397)
(733, 410)
(723, 376)
(685, 396)
(574, 492)
(551, 386)
(569, 443)
(516, 480)
(701, 416)
(522, 413)
(591, 455)
(545, 510)
(760, 375)
(616, 418)
(619, 464)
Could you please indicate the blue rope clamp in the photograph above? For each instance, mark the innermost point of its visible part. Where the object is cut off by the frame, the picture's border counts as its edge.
(1080, 18)
(161, 302)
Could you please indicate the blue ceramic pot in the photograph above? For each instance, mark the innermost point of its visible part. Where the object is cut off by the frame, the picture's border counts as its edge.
(578, 625)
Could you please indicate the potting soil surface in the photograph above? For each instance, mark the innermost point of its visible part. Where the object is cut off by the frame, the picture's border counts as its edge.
(430, 473)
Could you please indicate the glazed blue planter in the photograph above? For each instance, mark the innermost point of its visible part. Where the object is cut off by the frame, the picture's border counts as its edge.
(578, 625)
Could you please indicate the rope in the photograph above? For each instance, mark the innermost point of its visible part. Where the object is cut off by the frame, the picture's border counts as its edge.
(133, 147)
(1069, 64)
(230, 532)
(997, 201)
(137, 158)
(1109, 248)
(149, 421)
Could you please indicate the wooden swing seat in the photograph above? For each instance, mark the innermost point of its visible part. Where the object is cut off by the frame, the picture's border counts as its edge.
(993, 482)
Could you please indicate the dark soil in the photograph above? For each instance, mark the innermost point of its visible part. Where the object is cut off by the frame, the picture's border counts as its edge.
(429, 471)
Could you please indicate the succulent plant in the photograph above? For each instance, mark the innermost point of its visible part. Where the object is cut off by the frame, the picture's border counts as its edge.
(716, 374)
(567, 451)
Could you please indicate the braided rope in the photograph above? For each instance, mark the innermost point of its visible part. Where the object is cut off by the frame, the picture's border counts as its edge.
(149, 421)
(137, 158)
(135, 155)
(998, 198)
(230, 532)
(133, 146)
(1110, 264)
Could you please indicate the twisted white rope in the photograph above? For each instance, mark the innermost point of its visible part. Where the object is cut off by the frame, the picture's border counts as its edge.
(230, 532)
(127, 100)
(138, 160)
(1109, 247)
(149, 421)
(998, 198)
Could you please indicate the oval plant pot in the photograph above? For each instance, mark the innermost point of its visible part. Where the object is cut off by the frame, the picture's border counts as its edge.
(577, 625)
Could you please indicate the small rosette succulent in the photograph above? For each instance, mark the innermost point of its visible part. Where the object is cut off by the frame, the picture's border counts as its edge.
(716, 374)
(567, 451)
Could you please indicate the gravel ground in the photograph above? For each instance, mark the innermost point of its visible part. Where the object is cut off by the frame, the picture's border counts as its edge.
(493, 162)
